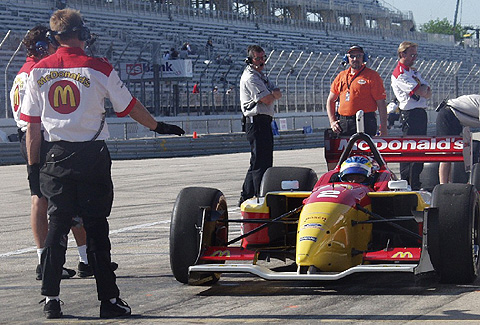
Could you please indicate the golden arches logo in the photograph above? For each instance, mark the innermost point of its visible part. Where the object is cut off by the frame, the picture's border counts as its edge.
(402, 255)
(62, 94)
(221, 253)
(16, 98)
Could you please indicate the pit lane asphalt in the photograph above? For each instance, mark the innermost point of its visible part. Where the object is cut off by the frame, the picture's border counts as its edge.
(145, 191)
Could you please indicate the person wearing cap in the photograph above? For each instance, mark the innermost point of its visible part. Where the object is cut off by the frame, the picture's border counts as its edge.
(453, 115)
(357, 88)
(412, 92)
(65, 93)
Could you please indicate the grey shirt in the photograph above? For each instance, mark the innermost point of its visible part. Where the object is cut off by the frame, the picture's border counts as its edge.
(466, 108)
(254, 86)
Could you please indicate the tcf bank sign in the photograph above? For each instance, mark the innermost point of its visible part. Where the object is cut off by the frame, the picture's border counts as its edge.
(173, 69)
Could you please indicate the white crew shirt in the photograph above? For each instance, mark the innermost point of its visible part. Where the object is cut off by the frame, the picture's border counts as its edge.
(405, 81)
(66, 93)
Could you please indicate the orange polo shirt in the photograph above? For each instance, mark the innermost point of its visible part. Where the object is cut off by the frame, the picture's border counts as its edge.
(366, 87)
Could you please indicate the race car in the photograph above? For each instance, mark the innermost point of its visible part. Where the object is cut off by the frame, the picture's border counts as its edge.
(329, 228)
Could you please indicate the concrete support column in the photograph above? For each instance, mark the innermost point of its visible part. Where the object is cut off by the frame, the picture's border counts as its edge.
(328, 16)
(384, 23)
(357, 20)
(407, 25)
(297, 12)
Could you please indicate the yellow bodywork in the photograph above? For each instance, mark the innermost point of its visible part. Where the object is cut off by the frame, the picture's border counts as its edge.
(326, 237)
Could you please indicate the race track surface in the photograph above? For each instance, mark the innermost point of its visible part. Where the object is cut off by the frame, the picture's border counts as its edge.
(145, 192)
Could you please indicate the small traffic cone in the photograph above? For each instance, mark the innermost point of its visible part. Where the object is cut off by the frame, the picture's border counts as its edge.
(195, 136)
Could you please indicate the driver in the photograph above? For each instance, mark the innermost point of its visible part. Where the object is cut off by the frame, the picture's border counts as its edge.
(356, 169)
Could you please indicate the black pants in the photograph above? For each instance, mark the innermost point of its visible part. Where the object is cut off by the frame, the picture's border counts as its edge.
(414, 122)
(349, 124)
(447, 123)
(260, 137)
(76, 180)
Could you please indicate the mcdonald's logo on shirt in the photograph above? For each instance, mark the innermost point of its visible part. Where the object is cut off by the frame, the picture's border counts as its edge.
(64, 96)
(16, 98)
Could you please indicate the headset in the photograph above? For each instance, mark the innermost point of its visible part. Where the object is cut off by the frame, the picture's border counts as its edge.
(345, 57)
(249, 60)
(83, 34)
(41, 47)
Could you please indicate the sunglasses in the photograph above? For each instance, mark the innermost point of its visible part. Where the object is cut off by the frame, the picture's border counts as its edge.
(355, 56)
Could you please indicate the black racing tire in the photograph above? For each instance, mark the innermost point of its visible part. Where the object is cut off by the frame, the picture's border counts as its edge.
(429, 176)
(185, 227)
(475, 176)
(457, 241)
(273, 177)
(458, 173)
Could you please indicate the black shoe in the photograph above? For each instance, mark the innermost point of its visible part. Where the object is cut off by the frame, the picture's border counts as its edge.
(118, 309)
(86, 270)
(66, 273)
(240, 201)
(38, 272)
(52, 309)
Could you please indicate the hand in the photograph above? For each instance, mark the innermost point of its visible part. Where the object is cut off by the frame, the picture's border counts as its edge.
(335, 125)
(33, 172)
(277, 93)
(164, 128)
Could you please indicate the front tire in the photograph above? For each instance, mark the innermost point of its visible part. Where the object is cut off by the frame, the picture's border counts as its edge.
(457, 248)
(186, 241)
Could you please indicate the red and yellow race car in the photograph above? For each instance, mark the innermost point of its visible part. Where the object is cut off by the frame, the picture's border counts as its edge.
(330, 228)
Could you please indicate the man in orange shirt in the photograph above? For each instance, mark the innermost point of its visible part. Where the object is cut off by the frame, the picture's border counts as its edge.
(357, 88)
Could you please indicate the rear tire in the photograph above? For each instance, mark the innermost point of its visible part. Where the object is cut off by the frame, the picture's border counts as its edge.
(185, 240)
(456, 256)
(273, 177)
(458, 173)
(429, 176)
(475, 176)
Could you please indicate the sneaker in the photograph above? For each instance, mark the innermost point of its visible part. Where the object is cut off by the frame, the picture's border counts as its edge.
(38, 272)
(52, 309)
(66, 273)
(240, 201)
(86, 270)
(119, 309)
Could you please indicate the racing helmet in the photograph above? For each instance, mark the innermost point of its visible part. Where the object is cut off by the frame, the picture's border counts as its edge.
(356, 165)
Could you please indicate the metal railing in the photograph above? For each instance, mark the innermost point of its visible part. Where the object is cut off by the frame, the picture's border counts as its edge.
(303, 76)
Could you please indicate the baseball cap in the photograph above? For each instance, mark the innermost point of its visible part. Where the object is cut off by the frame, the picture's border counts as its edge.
(355, 48)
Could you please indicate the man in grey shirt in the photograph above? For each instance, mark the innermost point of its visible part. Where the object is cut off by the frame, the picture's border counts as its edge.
(257, 97)
(452, 116)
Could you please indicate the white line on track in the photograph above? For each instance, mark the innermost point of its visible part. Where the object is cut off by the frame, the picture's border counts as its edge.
(145, 225)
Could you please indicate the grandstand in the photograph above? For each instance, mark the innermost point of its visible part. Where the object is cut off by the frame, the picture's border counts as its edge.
(305, 41)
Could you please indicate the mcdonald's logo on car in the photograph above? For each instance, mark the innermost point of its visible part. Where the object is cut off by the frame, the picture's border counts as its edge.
(402, 255)
(64, 96)
(221, 253)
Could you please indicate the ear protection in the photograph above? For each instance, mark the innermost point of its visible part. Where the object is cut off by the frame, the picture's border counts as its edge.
(83, 34)
(365, 55)
(248, 60)
(345, 58)
(41, 47)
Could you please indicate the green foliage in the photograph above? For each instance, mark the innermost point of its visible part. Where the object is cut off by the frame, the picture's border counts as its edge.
(443, 26)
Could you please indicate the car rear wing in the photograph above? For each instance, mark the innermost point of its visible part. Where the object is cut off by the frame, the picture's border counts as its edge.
(404, 149)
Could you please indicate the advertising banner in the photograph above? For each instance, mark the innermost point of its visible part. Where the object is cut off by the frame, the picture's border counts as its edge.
(169, 70)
